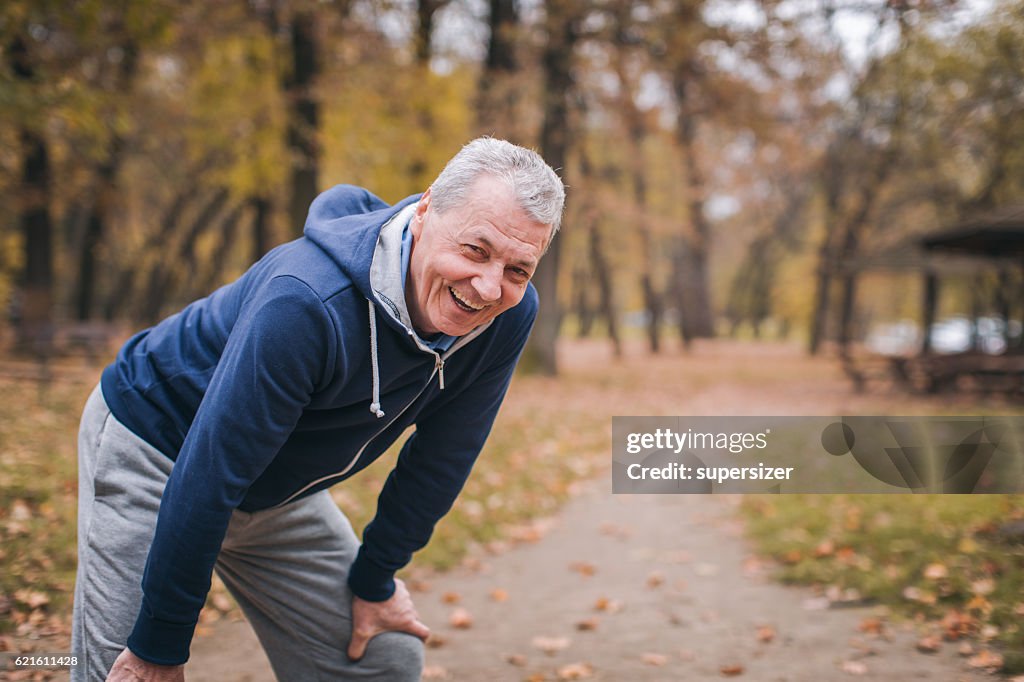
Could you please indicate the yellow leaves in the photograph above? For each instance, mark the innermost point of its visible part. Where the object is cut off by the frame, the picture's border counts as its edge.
(766, 634)
(587, 624)
(732, 670)
(451, 598)
(499, 595)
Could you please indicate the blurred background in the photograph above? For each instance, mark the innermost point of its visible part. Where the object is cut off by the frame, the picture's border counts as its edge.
(735, 168)
(775, 207)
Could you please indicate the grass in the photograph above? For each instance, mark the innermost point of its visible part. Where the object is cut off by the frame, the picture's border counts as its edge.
(928, 557)
(38, 493)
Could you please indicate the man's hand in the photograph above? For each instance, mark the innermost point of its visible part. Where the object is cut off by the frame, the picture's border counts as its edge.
(130, 668)
(370, 618)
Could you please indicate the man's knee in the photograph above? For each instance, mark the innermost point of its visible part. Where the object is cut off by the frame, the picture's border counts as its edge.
(396, 655)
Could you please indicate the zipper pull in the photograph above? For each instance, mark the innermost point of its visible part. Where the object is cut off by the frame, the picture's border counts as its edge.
(440, 371)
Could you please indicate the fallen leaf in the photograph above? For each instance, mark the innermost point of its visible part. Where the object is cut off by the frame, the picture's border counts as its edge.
(929, 644)
(461, 618)
(654, 659)
(872, 626)
(436, 641)
(451, 598)
(575, 671)
(434, 672)
(979, 603)
(987, 659)
(499, 595)
(20, 511)
(936, 571)
(655, 579)
(765, 634)
(825, 549)
(550, 645)
(516, 659)
(984, 587)
(31, 598)
(966, 649)
(537, 677)
(584, 568)
(607, 605)
(731, 670)
(854, 668)
(587, 624)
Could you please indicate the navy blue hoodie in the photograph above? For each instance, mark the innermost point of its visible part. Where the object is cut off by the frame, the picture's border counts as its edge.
(262, 392)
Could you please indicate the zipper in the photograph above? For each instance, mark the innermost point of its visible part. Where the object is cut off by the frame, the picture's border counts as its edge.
(365, 445)
(439, 361)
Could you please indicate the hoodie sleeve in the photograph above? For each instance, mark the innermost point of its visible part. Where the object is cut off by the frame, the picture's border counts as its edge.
(432, 468)
(274, 359)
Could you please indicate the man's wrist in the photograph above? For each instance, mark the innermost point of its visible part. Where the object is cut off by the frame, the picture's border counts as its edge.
(369, 581)
(160, 642)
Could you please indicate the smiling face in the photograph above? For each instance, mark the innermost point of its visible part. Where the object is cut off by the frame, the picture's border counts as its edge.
(472, 262)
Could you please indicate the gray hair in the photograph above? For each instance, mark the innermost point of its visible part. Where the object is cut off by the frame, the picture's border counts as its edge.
(537, 188)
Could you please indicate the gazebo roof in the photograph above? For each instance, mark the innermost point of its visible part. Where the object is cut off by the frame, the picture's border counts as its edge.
(997, 234)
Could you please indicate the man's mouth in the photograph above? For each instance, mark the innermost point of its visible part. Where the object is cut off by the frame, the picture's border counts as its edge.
(463, 303)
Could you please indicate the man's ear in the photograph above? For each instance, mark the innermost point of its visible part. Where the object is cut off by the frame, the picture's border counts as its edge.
(416, 225)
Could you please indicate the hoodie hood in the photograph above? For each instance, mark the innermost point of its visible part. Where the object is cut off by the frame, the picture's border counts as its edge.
(346, 221)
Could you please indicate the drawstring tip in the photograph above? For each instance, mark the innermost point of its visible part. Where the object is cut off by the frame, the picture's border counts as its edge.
(375, 408)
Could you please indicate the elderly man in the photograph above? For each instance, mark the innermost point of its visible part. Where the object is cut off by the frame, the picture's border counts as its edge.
(214, 435)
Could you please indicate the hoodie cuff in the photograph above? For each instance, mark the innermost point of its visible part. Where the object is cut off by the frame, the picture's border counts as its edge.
(160, 642)
(368, 581)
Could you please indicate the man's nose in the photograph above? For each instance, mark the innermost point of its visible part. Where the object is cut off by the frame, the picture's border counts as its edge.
(488, 283)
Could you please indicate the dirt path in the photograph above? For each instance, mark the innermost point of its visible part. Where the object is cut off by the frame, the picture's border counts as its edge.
(685, 600)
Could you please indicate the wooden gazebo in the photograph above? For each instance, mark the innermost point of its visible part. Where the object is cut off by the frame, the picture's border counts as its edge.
(992, 241)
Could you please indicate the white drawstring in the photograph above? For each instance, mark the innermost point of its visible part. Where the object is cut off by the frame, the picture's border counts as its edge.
(375, 405)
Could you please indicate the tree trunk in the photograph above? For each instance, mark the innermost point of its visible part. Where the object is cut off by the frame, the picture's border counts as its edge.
(556, 63)
(498, 96)
(35, 324)
(160, 285)
(260, 226)
(105, 203)
(693, 294)
(303, 118)
(603, 274)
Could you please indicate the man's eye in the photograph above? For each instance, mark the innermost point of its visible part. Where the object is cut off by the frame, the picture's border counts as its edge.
(476, 250)
(519, 273)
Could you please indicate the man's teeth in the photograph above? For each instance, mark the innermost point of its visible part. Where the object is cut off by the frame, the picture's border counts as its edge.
(463, 301)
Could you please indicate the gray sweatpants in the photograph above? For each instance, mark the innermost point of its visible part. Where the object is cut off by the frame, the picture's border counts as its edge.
(285, 567)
